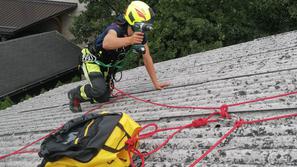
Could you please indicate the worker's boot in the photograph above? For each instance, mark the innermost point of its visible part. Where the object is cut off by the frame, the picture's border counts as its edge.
(74, 100)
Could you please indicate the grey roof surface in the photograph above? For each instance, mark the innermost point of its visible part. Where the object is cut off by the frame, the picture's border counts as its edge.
(17, 15)
(33, 59)
(259, 68)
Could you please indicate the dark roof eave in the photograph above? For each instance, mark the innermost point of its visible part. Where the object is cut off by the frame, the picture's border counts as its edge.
(32, 85)
(5, 33)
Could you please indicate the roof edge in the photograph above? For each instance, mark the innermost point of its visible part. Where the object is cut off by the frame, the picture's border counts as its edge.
(30, 36)
(50, 2)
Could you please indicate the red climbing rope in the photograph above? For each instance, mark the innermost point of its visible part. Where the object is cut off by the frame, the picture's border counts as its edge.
(23, 151)
(237, 125)
(196, 123)
(263, 99)
(134, 140)
(164, 105)
(223, 112)
(206, 108)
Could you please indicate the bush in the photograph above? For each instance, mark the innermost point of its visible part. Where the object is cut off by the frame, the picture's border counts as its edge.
(5, 103)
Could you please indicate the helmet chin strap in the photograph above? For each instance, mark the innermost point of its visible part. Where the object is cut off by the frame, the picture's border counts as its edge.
(120, 20)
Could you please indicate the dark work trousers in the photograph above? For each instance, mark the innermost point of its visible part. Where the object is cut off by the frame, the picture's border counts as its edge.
(96, 90)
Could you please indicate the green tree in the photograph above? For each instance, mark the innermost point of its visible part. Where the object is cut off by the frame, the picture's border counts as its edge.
(92, 21)
(273, 16)
(184, 27)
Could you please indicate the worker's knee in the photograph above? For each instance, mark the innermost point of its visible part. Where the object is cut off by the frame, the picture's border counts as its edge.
(98, 91)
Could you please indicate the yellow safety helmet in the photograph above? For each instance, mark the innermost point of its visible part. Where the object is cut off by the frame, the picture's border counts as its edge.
(138, 11)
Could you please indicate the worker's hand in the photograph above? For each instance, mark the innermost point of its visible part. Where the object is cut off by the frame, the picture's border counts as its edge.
(160, 86)
(136, 38)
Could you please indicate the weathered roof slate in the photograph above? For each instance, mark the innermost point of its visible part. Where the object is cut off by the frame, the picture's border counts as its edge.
(28, 61)
(259, 68)
(17, 15)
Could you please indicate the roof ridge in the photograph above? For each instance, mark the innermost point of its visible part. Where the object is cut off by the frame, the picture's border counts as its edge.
(48, 2)
(30, 36)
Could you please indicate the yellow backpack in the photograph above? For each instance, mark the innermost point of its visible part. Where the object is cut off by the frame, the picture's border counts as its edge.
(93, 140)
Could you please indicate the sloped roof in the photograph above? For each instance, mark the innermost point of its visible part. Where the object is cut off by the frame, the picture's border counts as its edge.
(18, 15)
(259, 68)
(33, 59)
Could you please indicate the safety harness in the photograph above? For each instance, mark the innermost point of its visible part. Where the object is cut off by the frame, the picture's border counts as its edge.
(111, 68)
(108, 66)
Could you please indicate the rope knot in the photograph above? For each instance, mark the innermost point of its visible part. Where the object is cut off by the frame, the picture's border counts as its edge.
(132, 142)
(239, 123)
(200, 122)
(224, 111)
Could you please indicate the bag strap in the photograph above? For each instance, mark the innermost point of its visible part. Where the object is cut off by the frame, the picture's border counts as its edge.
(107, 148)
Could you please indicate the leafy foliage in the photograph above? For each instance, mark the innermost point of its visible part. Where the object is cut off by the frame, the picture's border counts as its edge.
(184, 27)
(97, 16)
(6, 102)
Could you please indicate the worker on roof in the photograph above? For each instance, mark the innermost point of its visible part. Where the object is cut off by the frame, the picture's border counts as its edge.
(101, 59)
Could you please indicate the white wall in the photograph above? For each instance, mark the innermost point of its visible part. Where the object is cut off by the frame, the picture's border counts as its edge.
(67, 19)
